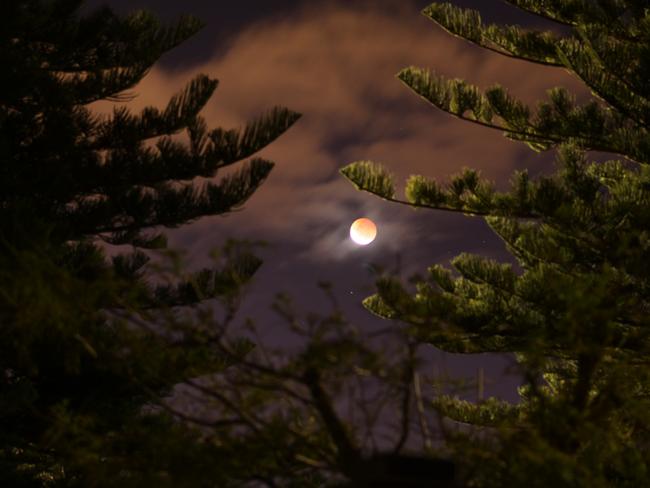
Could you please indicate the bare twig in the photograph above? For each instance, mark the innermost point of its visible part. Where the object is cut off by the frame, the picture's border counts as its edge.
(424, 426)
(405, 409)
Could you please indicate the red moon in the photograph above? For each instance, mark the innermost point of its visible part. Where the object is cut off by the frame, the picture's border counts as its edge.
(363, 231)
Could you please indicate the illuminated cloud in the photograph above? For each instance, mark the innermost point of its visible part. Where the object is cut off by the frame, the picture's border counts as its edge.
(336, 64)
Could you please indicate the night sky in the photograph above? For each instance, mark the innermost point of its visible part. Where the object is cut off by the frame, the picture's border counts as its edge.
(335, 62)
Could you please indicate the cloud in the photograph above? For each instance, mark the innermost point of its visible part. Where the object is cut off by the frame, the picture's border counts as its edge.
(336, 64)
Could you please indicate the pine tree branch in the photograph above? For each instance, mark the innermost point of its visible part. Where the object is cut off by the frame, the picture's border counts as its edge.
(167, 206)
(466, 24)
(104, 40)
(422, 83)
(584, 68)
(529, 6)
(206, 154)
(464, 211)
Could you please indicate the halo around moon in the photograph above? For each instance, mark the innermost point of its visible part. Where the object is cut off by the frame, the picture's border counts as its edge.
(363, 231)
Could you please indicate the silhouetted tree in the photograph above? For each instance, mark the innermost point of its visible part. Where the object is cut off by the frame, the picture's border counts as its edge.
(576, 315)
(338, 411)
(90, 345)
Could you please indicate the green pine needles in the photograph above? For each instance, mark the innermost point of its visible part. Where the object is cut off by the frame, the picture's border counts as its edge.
(576, 315)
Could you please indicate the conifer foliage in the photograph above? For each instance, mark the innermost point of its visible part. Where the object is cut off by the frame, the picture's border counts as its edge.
(79, 361)
(576, 315)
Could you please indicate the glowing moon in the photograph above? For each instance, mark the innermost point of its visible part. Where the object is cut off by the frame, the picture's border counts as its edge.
(363, 231)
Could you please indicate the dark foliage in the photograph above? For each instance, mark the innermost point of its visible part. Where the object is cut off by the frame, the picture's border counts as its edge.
(576, 316)
(90, 345)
